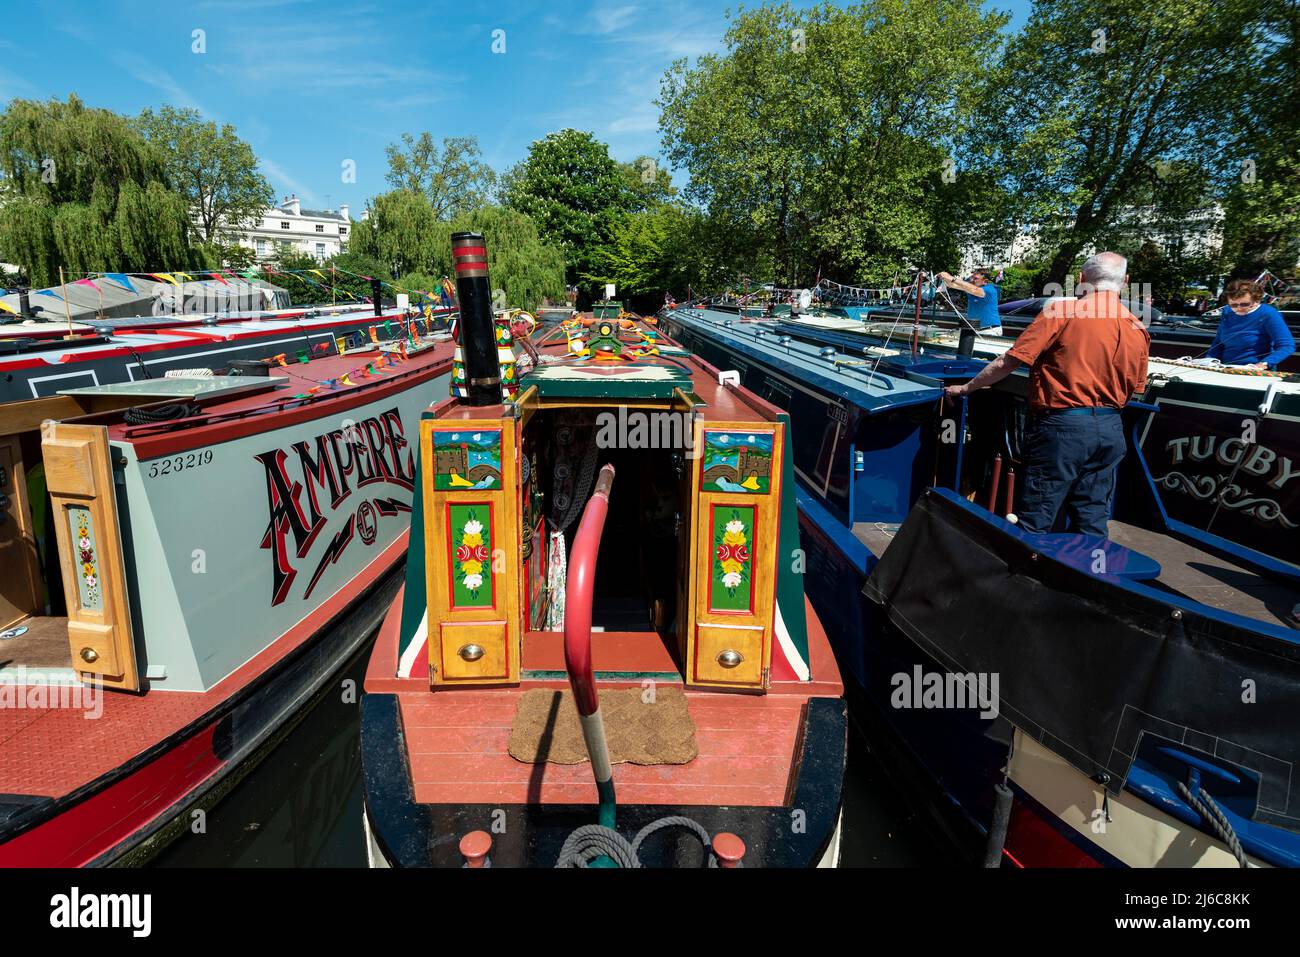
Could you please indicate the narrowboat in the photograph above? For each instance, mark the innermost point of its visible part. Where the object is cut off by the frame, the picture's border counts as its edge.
(185, 561)
(602, 653)
(1062, 700)
(40, 359)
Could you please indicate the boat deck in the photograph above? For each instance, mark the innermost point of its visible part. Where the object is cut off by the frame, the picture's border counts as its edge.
(1184, 570)
(457, 744)
(1188, 571)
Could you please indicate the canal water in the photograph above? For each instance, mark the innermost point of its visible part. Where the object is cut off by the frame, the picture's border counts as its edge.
(301, 806)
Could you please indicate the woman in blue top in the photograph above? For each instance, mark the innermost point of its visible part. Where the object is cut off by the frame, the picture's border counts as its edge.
(1250, 333)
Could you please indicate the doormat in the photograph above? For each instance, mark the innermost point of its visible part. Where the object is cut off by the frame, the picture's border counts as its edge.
(547, 729)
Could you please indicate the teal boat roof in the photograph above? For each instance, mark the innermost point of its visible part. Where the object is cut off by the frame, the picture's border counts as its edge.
(859, 380)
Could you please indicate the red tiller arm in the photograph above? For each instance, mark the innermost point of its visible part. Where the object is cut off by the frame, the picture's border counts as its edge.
(578, 595)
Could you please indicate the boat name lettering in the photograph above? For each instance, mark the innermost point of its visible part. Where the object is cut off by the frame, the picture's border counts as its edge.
(1230, 452)
(307, 483)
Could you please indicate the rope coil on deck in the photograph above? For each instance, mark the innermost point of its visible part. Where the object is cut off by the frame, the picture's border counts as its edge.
(591, 841)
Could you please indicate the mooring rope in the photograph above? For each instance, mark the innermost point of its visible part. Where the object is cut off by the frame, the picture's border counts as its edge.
(595, 840)
(1213, 815)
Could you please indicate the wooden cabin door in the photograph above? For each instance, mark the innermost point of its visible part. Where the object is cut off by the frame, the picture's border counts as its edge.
(737, 516)
(79, 475)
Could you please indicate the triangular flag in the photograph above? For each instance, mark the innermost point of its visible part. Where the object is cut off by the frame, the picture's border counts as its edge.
(163, 277)
(303, 356)
(345, 380)
(370, 368)
(86, 282)
(374, 335)
(343, 346)
(218, 277)
(403, 348)
(121, 278)
(48, 292)
(388, 329)
(316, 272)
(280, 359)
(8, 308)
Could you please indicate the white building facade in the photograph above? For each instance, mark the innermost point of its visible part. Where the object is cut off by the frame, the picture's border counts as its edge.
(320, 233)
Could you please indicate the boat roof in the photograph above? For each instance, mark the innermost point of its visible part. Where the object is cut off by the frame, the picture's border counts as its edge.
(860, 381)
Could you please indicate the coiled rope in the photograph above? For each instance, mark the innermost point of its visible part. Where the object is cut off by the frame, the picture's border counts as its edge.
(162, 413)
(1213, 815)
(594, 840)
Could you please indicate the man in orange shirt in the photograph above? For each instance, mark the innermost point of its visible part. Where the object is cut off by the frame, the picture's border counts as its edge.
(1087, 357)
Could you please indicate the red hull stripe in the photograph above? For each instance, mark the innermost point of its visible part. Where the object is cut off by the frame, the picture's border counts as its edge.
(77, 836)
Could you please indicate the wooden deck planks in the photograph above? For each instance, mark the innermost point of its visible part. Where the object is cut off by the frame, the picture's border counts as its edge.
(457, 743)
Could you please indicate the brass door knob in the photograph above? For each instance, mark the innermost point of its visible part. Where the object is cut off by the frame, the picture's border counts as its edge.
(730, 659)
(89, 655)
(471, 652)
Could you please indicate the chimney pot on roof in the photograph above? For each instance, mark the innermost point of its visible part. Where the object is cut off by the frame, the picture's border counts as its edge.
(294, 206)
(343, 210)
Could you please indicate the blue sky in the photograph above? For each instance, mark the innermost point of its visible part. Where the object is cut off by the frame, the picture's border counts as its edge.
(311, 85)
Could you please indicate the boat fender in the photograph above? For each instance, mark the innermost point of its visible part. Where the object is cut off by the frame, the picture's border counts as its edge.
(997, 836)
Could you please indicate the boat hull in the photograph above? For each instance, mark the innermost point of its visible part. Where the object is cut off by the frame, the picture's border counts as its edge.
(129, 814)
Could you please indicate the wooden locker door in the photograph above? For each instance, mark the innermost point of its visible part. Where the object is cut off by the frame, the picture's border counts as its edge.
(79, 477)
(738, 496)
(472, 540)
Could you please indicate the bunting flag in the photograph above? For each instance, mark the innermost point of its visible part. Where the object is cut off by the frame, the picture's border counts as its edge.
(49, 292)
(342, 346)
(163, 277)
(121, 278)
(345, 380)
(323, 347)
(87, 282)
(388, 329)
(374, 335)
(314, 389)
(403, 349)
(303, 357)
(250, 273)
(219, 278)
(8, 308)
(370, 368)
(185, 277)
(316, 272)
(280, 359)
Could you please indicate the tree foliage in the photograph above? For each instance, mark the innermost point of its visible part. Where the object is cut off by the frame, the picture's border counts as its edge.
(454, 179)
(819, 137)
(214, 169)
(575, 192)
(1095, 97)
(415, 247)
(83, 190)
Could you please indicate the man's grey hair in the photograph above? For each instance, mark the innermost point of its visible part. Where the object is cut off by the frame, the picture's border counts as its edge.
(1106, 271)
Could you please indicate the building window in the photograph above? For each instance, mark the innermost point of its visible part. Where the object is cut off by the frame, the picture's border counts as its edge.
(320, 228)
(343, 230)
(261, 247)
(283, 224)
(320, 250)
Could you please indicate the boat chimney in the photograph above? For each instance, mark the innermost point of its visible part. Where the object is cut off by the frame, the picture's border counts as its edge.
(966, 342)
(377, 296)
(25, 303)
(477, 329)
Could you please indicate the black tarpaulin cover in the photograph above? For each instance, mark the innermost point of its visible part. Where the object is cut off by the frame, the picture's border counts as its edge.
(1085, 666)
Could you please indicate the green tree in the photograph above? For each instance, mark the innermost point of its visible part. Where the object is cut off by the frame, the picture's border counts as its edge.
(1262, 227)
(212, 166)
(1092, 94)
(454, 179)
(819, 139)
(648, 252)
(574, 191)
(83, 190)
(413, 248)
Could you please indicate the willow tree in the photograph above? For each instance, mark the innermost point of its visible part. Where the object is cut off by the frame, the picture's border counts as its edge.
(84, 191)
(819, 137)
(403, 233)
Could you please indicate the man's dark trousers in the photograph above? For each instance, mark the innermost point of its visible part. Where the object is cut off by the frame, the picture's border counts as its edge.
(1070, 459)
